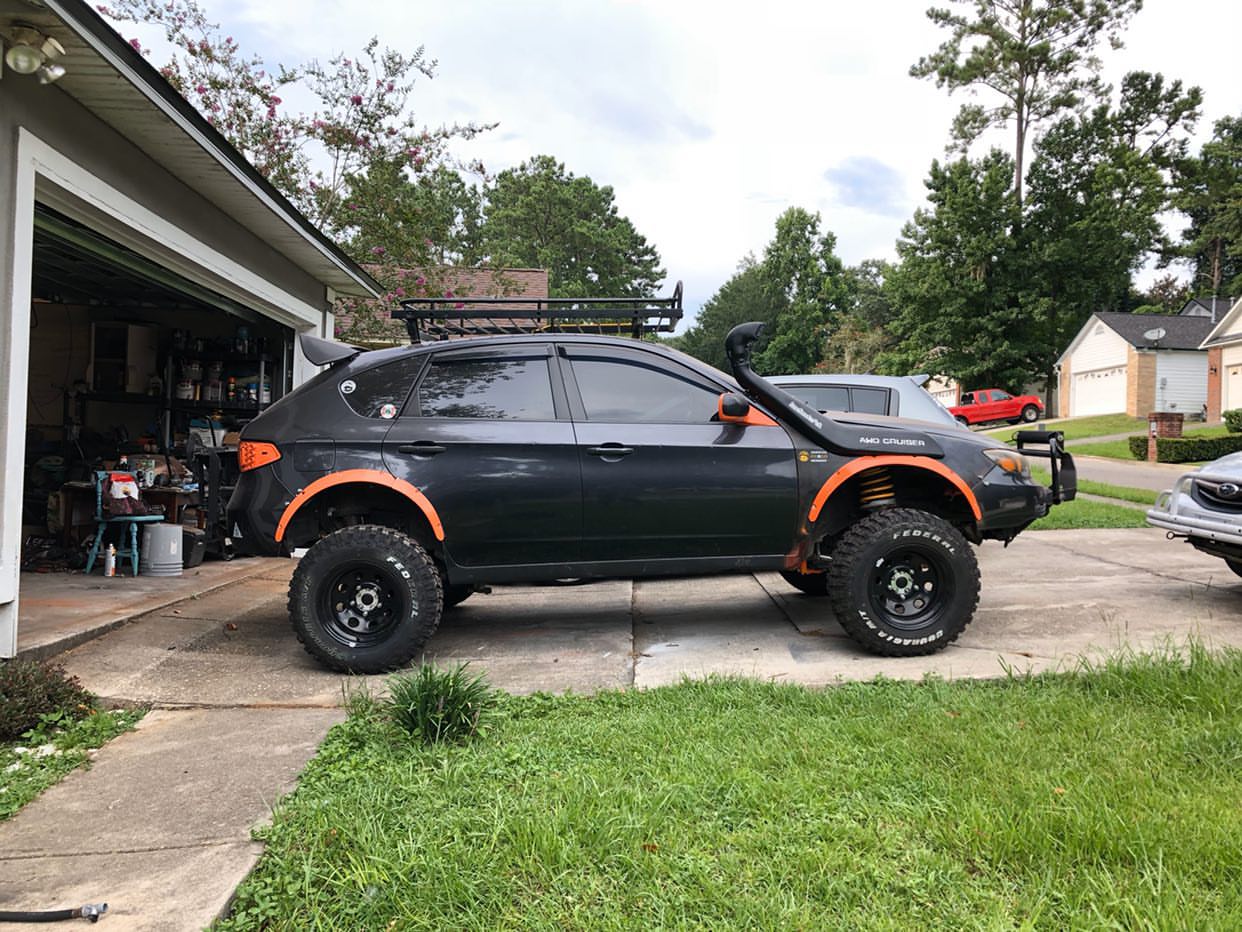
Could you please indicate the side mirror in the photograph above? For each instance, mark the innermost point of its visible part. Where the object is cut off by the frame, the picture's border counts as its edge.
(732, 408)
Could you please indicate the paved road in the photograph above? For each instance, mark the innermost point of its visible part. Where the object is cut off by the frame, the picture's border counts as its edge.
(1154, 476)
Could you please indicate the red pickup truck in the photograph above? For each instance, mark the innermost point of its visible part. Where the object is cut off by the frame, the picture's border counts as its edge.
(992, 404)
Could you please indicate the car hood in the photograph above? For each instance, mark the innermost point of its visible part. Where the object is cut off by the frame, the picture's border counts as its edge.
(1228, 466)
(953, 433)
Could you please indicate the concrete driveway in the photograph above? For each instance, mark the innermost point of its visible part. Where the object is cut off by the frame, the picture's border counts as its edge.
(1048, 599)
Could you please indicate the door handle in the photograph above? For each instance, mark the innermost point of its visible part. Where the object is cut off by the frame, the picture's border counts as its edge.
(421, 448)
(610, 449)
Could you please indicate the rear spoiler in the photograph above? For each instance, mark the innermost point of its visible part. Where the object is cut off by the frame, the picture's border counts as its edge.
(838, 437)
(321, 352)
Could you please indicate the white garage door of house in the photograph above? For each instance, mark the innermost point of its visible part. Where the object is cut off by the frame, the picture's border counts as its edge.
(1102, 391)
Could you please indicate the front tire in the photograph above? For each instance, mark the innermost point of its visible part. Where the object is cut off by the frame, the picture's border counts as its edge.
(903, 583)
(1030, 414)
(810, 583)
(1235, 565)
(365, 599)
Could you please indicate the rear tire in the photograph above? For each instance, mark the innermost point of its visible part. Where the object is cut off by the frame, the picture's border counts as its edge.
(1235, 565)
(962, 421)
(810, 583)
(365, 599)
(903, 583)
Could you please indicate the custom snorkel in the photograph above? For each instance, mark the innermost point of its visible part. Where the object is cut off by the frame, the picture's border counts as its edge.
(836, 436)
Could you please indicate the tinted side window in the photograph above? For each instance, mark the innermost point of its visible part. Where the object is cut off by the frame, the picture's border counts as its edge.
(631, 391)
(381, 391)
(1001, 396)
(822, 397)
(514, 388)
(870, 400)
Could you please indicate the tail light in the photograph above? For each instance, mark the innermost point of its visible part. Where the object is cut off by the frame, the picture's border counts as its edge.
(251, 454)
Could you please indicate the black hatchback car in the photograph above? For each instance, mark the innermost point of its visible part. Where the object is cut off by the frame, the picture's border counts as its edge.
(415, 475)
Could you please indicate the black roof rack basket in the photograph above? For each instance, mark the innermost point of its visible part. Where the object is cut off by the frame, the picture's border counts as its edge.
(449, 318)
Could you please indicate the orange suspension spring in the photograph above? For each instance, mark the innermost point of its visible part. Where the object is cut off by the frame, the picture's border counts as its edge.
(875, 489)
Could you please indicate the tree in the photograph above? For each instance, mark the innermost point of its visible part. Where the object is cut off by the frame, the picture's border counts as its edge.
(538, 215)
(959, 289)
(804, 282)
(1098, 184)
(858, 335)
(1168, 293)
(1036, 57)
(1210, 194)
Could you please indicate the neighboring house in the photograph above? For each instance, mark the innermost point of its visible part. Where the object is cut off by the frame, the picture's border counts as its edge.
(461, 282)
(1117, 364)
(132, 236)
(945, 390)
(1224, 361)
(1215, 308)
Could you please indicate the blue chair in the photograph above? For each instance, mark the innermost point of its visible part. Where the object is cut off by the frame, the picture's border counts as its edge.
(103, 520)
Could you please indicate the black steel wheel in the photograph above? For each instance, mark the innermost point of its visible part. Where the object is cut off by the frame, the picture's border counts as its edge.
(365, 599)
(810, 583)
(903, 582)
(1030, 414)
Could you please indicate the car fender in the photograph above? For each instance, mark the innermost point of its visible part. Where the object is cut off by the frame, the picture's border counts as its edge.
(862, 463)
(365, 476)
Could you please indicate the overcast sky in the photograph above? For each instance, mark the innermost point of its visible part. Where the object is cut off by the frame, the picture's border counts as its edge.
(708, 119)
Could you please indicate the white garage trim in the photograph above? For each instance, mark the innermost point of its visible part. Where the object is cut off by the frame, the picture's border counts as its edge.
(45, 174)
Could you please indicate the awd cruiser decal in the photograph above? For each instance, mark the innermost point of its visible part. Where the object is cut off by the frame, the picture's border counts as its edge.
(852, 468)
(368, 476)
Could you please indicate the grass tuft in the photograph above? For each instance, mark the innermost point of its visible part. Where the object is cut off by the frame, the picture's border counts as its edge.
(435, 705)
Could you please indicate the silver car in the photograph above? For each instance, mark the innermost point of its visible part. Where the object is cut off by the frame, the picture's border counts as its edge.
(1205, 507)
(894, 395)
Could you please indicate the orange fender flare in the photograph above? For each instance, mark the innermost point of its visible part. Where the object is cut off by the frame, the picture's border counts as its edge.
(371, 477)
(852, 468)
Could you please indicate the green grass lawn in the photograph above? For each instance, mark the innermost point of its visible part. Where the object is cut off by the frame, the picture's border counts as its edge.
(1104, 800)
(1100, 425)
(1108, 490)
(57, 747)
(1084, 513)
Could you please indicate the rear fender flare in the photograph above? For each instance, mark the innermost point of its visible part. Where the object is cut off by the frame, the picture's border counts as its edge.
(366, 477)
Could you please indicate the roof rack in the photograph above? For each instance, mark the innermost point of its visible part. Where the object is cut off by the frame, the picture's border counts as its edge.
(449, 318)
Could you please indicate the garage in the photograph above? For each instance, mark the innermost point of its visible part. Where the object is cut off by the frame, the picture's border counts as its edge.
(1102, 391)
(153, 287)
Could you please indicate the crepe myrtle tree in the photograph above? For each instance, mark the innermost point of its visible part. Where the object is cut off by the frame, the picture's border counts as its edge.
(361, 123)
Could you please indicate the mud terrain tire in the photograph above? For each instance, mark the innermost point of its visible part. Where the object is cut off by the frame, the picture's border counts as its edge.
(365, 599)
(903, 583)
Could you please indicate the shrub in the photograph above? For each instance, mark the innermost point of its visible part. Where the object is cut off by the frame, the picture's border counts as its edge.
(1233, 420)
(1187, 449)
(29, 691)
(436, 705)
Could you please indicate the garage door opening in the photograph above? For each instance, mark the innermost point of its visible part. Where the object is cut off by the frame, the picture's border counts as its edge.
(133, 369)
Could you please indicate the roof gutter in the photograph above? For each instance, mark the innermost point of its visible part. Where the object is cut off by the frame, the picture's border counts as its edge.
(130, 63)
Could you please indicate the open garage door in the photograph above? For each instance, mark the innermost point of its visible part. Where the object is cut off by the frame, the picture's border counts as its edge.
(1100, 391)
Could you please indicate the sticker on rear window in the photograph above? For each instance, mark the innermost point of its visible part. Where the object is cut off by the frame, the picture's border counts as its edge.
(388, 411)
(348, 386)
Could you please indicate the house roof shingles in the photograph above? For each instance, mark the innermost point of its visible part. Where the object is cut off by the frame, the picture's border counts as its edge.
(1181, 332)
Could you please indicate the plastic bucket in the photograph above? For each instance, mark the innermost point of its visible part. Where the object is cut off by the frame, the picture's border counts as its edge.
(161, 550)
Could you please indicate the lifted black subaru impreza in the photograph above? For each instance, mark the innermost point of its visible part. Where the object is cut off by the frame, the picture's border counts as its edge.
(415, 475)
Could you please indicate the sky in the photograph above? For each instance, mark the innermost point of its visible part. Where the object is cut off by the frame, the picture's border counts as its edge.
(709, 119)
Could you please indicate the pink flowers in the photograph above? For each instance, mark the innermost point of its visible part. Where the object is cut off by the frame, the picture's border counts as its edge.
(200, 88)
(356, 100)
(378, 250)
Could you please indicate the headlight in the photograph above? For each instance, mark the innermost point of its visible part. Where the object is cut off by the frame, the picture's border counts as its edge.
(1013, 463)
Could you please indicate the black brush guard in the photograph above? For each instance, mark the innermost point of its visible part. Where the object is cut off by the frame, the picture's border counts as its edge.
(1051, 446)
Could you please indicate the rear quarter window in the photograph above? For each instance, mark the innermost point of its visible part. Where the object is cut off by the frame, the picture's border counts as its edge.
(381, 392)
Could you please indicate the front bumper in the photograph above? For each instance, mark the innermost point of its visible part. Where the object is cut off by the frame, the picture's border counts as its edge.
(1177, 512)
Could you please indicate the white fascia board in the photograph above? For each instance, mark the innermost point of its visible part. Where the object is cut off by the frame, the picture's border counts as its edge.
(62, 183)
(1220, 335)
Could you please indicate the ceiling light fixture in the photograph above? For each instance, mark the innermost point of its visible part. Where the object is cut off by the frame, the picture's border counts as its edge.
(31, 52)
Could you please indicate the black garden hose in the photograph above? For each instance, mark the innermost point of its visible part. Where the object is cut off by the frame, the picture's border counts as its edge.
(91, 911)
